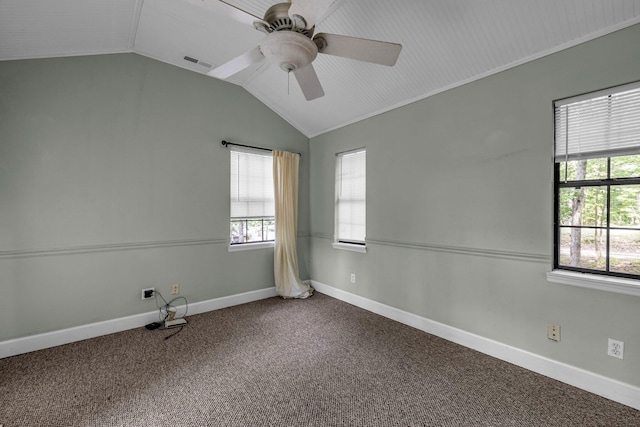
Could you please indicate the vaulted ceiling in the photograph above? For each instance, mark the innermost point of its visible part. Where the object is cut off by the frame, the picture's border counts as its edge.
(446, 43)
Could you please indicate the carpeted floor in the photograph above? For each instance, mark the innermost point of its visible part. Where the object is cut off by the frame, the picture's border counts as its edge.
(314, 362)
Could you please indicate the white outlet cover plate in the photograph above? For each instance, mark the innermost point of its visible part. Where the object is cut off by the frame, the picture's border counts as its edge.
(553, 332)
(615, 348)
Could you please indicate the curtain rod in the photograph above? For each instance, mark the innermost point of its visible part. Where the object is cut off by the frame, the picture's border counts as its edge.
(227, 143)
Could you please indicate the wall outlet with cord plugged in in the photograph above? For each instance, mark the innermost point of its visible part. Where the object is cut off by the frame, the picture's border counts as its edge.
(148, 293)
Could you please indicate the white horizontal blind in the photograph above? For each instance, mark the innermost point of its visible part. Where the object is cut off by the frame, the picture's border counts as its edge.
(600, 124)
(251, 185)
(351, 189)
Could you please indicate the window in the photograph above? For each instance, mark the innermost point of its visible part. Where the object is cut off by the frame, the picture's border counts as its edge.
(350, 216)
(252, 200)
(597, 183)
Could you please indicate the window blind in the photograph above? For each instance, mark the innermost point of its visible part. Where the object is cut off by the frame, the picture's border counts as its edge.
(600, 124)
(351, 196)
(251, 185)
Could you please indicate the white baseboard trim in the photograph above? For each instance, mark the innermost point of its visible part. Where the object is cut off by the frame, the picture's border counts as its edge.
(231, 300)
(615, 390)
(65, 336)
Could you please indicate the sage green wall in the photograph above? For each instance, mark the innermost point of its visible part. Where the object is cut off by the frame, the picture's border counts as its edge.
(113, 179)
(459, 210)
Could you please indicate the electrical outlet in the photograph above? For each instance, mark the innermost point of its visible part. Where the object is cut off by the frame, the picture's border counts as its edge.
(175, 289)
(148, 293)
(615, 348)
(553, 332)
(353, 278)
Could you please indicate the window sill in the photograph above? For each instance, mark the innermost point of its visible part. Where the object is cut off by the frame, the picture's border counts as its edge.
(594, 281)
(250, 246)
(349, 247)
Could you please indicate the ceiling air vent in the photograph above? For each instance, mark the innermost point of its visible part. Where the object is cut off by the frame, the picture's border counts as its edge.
(197, 61)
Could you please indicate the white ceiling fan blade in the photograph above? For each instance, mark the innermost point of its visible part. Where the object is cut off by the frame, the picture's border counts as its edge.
(247, 59)
(304, 8)
(313, 11)
(309, 82)
(225, 9)
(377, 52)
(324, 8)
(234, 10)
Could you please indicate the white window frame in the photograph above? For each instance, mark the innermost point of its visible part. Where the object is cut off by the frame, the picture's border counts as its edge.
(593, 148)
(354, 245)
(244, 246)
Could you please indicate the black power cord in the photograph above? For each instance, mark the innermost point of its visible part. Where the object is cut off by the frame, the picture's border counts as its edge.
(168, 305)
(164, 311)
(175, 333)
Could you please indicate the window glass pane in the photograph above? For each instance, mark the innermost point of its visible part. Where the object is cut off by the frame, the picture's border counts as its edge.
(238, 231)
(254, 230)
(625, 166)
(625, 251)
(252, 197)
(578, 170)
(625, 206)
(269, 229)
(583, 248)
(251, 186)
(351, 196)
(351, 226)
(597, 141)
(586, 206)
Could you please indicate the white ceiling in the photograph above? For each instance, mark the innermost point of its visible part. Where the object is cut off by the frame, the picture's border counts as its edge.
(445, 43)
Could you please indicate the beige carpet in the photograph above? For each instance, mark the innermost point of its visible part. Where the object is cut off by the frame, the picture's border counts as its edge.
(314, 362)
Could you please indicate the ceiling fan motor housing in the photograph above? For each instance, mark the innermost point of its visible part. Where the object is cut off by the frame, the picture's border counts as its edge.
(278, 19)
(289, 49)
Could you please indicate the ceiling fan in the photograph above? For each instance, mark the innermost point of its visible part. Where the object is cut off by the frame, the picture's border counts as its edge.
(291, 44)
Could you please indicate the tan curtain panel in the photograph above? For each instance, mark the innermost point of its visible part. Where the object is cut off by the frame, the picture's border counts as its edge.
(285, 184)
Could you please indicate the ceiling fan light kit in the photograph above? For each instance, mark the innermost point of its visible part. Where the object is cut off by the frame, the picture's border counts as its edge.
(289, 49)
(289, 43)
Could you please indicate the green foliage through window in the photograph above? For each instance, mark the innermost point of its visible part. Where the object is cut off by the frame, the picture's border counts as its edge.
(598, 202)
